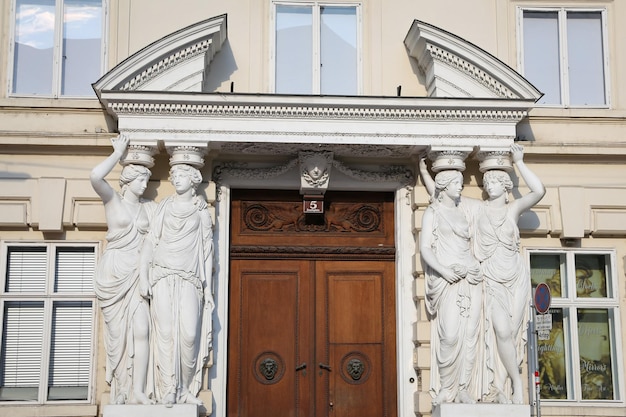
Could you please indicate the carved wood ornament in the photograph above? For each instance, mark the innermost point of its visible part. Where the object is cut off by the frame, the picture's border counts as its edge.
(349, 225)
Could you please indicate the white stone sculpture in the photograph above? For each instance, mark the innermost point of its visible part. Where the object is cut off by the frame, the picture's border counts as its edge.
(125, 312)
(315, 171)
(506, 279)
(176, 268)
(453, 289)
(495, 243)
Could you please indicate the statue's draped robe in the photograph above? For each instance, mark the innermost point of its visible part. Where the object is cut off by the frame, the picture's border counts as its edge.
(116, 286)
(454, 309)
(507, 286)
(180, 273)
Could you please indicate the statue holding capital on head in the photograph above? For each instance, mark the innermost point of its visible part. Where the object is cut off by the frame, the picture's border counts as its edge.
(488, 235)
(453, 280)
(125, 312)
(176, 270)
(506, 278)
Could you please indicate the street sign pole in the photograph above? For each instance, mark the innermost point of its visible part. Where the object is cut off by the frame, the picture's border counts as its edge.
(533, 359)
(540, 323)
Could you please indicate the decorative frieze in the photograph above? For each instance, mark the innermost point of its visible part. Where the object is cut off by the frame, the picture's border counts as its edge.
(279, 111)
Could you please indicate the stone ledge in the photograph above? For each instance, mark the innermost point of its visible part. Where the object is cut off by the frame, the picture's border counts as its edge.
(481, 410)
(158, 410)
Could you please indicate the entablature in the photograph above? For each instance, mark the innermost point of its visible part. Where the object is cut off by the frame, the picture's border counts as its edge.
(211, 119)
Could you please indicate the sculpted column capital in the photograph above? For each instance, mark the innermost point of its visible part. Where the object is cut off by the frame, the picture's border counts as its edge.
(139, 155)
(448, 158)
(494, 159)
(189, 155)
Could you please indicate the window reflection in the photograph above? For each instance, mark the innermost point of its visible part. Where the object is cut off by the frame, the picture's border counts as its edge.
(595, 354)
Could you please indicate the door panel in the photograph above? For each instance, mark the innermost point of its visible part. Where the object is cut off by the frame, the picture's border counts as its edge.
(355, 322)
(269, 338)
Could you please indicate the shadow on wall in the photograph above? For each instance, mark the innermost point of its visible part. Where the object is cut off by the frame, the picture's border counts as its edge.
(220, 70)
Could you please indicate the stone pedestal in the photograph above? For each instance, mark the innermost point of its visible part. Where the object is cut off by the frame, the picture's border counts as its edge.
(157, 410)
(481, 410)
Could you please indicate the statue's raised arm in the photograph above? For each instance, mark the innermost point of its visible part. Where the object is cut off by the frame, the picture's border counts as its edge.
(537, 190)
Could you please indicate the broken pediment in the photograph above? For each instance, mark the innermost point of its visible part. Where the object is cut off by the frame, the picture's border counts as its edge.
(176, 62)
(454, 67)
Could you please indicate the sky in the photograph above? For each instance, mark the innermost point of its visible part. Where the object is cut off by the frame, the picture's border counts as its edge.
(35, 21)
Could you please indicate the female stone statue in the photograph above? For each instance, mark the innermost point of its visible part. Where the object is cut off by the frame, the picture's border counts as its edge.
(176, 269)
(453, 290)
(126, 316)
(506, 278)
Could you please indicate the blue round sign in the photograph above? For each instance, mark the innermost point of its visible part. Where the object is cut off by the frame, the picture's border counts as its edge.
(543, 298)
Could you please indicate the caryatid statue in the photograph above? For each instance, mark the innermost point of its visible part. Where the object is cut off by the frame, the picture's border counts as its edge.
(125, 312)
(176, 272)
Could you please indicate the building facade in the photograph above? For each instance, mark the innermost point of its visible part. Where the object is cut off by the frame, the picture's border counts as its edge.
(290, 106)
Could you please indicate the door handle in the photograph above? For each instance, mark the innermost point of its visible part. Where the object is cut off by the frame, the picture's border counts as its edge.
(301, 366)
(325, 367)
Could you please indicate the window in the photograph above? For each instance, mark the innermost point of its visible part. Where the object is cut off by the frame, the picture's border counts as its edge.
(578, 357)
(564, 56)
(57, 47)
(316, 49)
(47, 318)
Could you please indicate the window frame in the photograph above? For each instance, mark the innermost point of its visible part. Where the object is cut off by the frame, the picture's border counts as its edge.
(57, 64)
(563, 53)
(49, 298)
(316, 5)
(570, 304)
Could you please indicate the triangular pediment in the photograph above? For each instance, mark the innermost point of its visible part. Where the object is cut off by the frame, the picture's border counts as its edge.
(454, 67)
(175, 63)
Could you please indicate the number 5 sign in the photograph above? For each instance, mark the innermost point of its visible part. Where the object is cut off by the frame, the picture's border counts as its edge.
(313, 204)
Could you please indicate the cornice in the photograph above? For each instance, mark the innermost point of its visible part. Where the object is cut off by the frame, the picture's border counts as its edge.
(256, 110)
(165, 64)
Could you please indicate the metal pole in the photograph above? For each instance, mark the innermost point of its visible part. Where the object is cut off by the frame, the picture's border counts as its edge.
(533, 360)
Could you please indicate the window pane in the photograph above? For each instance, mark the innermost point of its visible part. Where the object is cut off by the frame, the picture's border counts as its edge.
(549, 269)
(294, 49)
(591, 276)
(70, 354)
(541, 54)
(338, 38)
(82, 38)
(74, 270)
(552, 362)
(585, 58)
(22, 340)
(26, 269)
(594, 341)
(34, 45)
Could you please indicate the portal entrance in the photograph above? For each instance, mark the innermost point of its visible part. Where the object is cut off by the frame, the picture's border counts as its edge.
(312, 307)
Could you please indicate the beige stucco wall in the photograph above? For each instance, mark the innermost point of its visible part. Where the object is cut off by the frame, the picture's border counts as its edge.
(48, 147)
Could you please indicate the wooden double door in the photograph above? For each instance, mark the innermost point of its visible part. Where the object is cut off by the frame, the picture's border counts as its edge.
(311, 330)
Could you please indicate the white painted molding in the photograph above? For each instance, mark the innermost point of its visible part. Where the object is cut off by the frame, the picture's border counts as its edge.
(174, 63)
(454, 67)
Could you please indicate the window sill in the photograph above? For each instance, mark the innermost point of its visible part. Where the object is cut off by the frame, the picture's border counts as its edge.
(575, 409)
(47, 410)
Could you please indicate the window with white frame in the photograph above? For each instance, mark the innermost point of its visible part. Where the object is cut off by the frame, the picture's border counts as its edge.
(47, 318)
(316, 48)
(564, 55)
(578, 357)
(57, 47)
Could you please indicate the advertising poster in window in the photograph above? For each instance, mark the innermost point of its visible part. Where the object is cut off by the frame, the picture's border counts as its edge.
(546, 268)
(551, 353)
(591, 276)
(595, 354)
